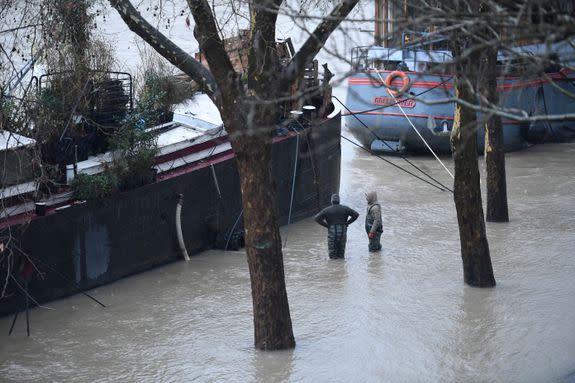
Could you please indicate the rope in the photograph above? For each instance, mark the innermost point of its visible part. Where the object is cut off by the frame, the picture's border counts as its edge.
(312, 162)
(547, 123)
(45, 264)
(232, 231)
(311, 157)
(309, 146)
(293, 182)
(25, 291)
(354, 114)
(442, 187)
(417, 131)
(26, 308)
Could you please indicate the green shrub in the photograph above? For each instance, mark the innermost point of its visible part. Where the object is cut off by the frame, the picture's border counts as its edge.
(87, 187)
(160, 87)
(135, 148)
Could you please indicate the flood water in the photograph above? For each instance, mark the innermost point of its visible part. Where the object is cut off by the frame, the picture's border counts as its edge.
(403, 315)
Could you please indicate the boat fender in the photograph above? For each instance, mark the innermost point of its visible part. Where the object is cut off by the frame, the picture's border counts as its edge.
(404, 87)
(445, 128)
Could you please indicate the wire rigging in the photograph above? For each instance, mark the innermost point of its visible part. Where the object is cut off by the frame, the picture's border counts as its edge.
(418, 133)
(441, 186)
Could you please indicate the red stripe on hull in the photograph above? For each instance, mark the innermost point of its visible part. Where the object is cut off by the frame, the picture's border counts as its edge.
(561, 75)
(397, 115)
(414, 115)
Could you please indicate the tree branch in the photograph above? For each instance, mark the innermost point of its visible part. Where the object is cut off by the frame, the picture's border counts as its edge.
(212, 46)
(316, 41)
(521, 115)
(21, 27)
(263, 17)
(167, 48)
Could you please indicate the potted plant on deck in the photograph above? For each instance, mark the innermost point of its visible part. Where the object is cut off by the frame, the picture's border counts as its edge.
(165, 89)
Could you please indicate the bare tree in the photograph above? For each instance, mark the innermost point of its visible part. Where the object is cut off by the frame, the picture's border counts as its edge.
(486, 39)
(507, 24)
(496, 183)
(249, 112)
(477, 269)
(484, 30)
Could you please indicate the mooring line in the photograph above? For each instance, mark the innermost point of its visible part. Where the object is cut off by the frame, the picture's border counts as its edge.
(441, 186)
(233, 228)
(68, 280)
(398, 104)
(293, 182)
(397, 166)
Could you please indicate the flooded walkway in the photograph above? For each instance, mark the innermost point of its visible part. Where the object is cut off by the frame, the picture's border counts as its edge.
(403, 315)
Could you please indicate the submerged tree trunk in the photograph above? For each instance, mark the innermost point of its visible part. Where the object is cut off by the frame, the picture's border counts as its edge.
(496, 184)
(272, 321)
(477, 269)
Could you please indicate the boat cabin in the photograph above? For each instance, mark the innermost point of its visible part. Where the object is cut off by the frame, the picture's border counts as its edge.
(517, 61)
(407, 60)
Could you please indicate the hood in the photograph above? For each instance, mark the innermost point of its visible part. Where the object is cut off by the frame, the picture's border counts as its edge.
(371, 197)
(335, 199)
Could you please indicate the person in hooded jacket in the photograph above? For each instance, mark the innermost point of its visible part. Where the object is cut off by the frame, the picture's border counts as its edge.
(336, 218)
(373, 223)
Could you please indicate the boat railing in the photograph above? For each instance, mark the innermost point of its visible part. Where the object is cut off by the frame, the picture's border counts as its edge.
(19, 77)
(409, 58)
(359, 57)
(363, 57)
(109, 94)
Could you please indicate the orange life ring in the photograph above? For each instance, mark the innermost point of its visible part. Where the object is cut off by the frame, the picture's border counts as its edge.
(404, 88)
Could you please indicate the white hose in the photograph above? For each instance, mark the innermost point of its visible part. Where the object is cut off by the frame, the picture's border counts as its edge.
(179, 227)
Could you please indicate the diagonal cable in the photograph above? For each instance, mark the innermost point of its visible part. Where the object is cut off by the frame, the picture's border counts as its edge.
(441, 187)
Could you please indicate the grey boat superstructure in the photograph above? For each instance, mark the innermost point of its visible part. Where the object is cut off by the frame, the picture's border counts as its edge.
(387, 121)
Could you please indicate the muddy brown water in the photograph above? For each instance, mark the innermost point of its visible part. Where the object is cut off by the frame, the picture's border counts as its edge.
(403, 315)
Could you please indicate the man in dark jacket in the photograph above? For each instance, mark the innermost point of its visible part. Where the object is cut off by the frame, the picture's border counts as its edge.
(336, 218)
(373, 224)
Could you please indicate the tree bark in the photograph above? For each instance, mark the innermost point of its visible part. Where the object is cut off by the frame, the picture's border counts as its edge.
(272, 321)
(250, 124)
(477, 269)
(497, 210)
